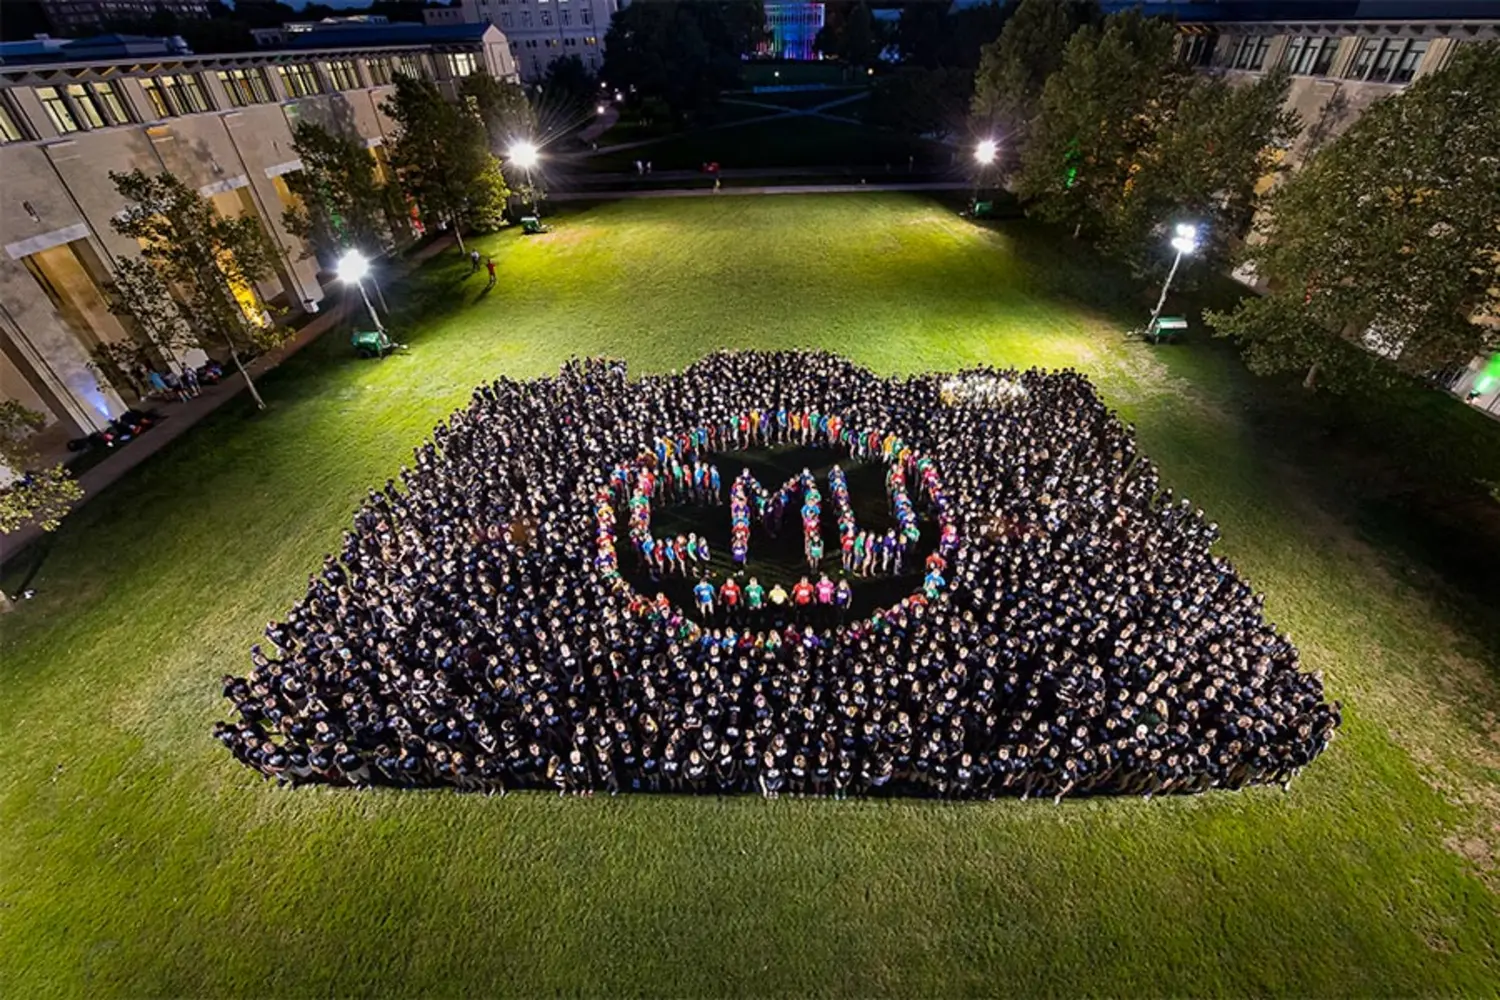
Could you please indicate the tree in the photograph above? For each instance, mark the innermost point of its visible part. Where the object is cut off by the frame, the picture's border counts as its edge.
(340, 201)
(1203, 165)
(854, 40)
(503, 108)
(1098, 114)
(567, 95)
(34, 495)
(139, 295)
(920, 101)
(681, 52)
(441, 156)
(212, 262)
(1015, 66)
(1389, 238)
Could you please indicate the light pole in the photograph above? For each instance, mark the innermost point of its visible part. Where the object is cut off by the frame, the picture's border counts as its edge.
(524, 155)
(352, 269)
(984, 158)
(1185, 242)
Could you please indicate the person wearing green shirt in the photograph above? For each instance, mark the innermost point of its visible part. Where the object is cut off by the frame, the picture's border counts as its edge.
(755, 595)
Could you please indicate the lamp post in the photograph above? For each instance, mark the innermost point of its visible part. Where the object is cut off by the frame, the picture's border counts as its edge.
(524, 155)
(352, 269)
(1185, 242)
(984, 157)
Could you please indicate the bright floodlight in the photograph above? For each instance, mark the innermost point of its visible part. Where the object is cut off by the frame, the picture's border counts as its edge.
(599, 110)
(523, 155)
(353, 266)
(1186, 239)
(986, 151)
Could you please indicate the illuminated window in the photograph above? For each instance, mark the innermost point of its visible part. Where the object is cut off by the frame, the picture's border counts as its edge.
(410, 66)
(158, 102)
(1394, 60)
(57, 110)
(84, 105)
(342, 73)
(300, 80)
(379, 70)
(1411, 58)
(1251, 54)
(461, 64)
(10, 125)
(245, 86)
(115, 109)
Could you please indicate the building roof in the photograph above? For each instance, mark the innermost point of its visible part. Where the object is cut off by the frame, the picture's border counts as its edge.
(353, 35)
(1202, 11)
(43, 49)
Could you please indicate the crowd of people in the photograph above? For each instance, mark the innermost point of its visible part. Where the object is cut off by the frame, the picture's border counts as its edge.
(1077, 634)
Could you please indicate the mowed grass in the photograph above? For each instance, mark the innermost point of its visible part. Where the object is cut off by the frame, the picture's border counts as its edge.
(138, 859)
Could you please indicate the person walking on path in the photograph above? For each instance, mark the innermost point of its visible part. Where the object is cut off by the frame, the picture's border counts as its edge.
(473, 261)
(489, 263)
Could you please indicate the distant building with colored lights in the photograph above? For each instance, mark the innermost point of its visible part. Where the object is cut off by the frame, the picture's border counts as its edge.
(792, 29)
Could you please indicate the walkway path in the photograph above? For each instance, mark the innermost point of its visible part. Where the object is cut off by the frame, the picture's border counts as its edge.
(709, 192)
(181, 417)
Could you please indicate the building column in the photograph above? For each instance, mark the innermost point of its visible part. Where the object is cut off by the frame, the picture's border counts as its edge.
(56, 366)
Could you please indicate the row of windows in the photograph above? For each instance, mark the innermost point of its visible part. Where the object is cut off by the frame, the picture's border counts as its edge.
(564, 18)
(552, 43)
(1391, 60)
(79, 107)
(76, 107)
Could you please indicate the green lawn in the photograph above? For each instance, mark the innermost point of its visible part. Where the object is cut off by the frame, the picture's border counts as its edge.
(138, 859)
(784, 142)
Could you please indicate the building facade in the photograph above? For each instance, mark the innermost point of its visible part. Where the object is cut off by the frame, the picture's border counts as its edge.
(222, 124)
(792, 28)
(540, 31)
(80, 16)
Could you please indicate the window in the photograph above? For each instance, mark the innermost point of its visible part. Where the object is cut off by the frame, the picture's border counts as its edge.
(591, 40)
(245, 86)
(546, 19)
(586, 16)
(379, 71)
(109, 100)
(1323, 61)
(300, 80)
(57, 110)
(10, 124)
(1411, 58)
(461, 64)
(505, 19)
(567, 17)
(1252, 52)
(1197, 50)
(158, 103)
(1310, 56)
(410, 66)
(179, 94)
(1394, 60)
(342, 73)
(525, 18)
(83, 103)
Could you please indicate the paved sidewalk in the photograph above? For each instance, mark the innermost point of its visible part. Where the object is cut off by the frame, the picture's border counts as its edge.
(179, 418)
(706, 190)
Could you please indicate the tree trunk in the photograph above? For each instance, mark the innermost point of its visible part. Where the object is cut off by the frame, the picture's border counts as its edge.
(1077, 229)
(260, 404)
(1311, 382)
(5, 603)
(458, 234)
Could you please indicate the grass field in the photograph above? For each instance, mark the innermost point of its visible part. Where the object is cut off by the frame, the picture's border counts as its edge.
(139, 859)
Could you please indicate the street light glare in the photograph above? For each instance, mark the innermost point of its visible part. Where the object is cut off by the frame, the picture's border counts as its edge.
(523, 155)
(353, 266)
(986, 151)
(1186, 239)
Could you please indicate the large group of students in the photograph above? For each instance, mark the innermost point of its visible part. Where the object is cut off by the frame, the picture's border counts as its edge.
(1075, 633)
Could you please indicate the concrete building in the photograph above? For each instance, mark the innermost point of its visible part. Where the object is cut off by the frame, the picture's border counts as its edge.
(220, 123)
(77, 16)
(540, 31)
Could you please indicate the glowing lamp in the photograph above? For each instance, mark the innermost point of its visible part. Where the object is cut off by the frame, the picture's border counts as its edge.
(353, 266)
(523, 155)
(986, 151)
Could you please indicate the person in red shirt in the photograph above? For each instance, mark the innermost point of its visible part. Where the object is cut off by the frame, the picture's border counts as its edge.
(729, 595)
(802, 593)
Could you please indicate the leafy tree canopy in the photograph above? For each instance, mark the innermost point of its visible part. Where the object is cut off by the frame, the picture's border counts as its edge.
(681, 52)
(1015, 66)
(1389, 236)
(341, 203)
